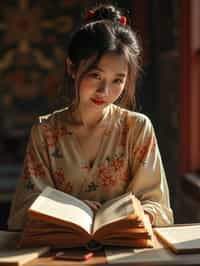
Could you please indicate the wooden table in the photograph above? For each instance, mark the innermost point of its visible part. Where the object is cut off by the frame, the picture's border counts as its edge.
(100, 259)
(48, 260)
(158, 256)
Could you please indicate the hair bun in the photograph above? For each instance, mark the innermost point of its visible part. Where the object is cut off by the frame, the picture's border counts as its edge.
(104, 12)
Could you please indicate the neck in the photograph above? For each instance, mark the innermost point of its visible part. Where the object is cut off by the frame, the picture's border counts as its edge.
(87, 118)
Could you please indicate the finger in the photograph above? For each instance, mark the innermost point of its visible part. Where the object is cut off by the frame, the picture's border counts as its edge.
(92, 204)
(98, 204)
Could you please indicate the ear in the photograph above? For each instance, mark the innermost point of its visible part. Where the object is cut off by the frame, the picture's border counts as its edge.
(70, 67)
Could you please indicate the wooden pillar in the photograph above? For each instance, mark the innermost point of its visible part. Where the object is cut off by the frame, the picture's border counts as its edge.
(189, 86)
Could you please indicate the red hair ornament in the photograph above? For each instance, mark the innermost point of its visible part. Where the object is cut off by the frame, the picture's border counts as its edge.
(123, 20)
(90, 14)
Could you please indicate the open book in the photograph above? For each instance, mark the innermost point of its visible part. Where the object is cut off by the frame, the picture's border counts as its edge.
(183, 238)
(58, 219)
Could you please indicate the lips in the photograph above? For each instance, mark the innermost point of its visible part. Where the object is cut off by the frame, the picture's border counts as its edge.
(98, 101)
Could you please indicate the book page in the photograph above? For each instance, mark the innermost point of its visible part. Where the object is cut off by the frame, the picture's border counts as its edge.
(184, 238)
(65, 207)
(11, 255)
(113, 210)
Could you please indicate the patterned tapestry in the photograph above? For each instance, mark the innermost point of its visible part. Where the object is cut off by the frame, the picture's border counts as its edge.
(33, 35)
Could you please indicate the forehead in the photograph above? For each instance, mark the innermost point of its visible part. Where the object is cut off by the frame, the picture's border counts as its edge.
(113, 62)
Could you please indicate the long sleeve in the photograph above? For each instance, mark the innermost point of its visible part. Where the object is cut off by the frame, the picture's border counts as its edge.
(149, 182)
(35, 176)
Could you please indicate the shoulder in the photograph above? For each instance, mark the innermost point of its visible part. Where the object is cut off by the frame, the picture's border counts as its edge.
(52, 118)
(133, 119)
(49, 122)
(139, 121)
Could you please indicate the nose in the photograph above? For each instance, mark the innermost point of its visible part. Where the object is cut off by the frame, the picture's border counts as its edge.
(103, 88)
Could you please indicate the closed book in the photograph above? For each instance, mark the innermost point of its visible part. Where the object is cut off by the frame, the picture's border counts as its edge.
(180, 238)
(11, 255)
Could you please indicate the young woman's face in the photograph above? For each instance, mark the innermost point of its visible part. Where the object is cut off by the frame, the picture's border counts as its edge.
(104, 84)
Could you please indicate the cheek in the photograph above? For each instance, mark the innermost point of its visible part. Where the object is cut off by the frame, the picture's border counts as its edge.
(85, 86)
(117, 92)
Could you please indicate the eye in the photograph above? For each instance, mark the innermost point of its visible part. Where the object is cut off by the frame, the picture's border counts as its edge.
(118, 81)
(95, 75)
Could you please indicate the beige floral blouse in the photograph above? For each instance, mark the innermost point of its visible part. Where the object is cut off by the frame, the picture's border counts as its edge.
(128, 160)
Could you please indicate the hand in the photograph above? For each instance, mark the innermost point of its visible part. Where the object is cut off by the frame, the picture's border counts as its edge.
(94, 205)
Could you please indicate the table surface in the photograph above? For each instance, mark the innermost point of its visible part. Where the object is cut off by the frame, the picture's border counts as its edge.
(100, 259)
(48, 260)
(157, 256)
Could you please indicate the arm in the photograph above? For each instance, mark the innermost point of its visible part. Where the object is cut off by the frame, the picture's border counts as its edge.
(35, 176)
(149, 182)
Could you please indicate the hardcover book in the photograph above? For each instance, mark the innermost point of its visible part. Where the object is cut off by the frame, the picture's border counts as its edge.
(60, 220)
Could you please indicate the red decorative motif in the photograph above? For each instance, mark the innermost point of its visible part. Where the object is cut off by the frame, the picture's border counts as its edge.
(125, 177)
(68, 187)
(32, 167)
(142, 151)
(52, 134)
(117, 164)
(108, 180)
(60, 181)
(123, 20)
(59, 176)
(23, 24)
(32, 35)
(112, 172)
(18, 76)
(90, 14)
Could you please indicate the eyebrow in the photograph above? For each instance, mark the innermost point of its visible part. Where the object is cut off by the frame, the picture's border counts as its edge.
(122, 75)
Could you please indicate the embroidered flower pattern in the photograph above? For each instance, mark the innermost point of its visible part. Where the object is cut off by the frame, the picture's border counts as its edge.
(32, 166)
(112, 171)
(52, 134)
(111, 174)
(141, 152)
(61, 182)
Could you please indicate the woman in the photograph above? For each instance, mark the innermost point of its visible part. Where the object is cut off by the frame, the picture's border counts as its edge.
(95, 148)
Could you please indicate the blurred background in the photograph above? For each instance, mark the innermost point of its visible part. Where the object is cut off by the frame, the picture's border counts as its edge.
(34, 36)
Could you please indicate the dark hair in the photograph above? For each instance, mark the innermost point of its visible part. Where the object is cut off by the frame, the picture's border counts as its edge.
(102, 32)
